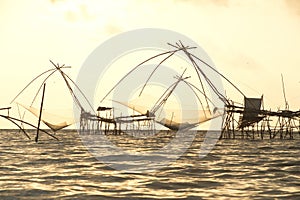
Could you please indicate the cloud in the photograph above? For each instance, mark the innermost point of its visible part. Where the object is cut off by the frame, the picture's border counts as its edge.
(80, 13)
(112, 29)
(73, 11)
(206, 2)
(294, 6)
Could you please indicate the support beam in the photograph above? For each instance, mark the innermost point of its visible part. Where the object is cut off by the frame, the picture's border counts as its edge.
(40, 116)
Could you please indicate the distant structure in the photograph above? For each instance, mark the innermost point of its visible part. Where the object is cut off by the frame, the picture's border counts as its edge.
(253, 121)
(106, 122)
(250, 121)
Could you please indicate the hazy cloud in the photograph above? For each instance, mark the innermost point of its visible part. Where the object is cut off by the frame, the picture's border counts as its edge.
(294, 6)
(112, 29)
(211, 2)
(73, 10)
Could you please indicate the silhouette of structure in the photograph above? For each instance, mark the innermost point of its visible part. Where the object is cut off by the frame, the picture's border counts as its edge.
(254, 122)
(250, 121)
(146, 118)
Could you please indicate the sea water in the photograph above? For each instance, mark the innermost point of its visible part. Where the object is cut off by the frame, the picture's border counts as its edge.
(66, 169)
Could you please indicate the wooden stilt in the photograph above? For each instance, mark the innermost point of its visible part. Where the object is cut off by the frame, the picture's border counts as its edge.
(40, 116)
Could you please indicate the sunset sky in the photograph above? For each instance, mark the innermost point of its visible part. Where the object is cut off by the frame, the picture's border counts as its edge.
(250, 42)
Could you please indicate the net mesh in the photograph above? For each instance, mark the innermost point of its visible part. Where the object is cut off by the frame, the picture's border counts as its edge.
(171, 114)
(54, 121)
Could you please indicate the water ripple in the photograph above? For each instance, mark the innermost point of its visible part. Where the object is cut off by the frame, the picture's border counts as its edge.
(66, 170)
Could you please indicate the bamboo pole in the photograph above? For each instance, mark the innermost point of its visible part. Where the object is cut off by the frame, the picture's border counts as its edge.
(40, 116)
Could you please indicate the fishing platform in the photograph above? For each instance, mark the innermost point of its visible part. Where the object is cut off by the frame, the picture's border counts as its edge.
(249, 120)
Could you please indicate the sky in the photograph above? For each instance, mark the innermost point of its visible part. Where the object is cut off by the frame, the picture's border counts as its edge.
(251, 42)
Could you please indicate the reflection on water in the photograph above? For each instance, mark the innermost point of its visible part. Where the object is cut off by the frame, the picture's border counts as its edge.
(65, 170)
